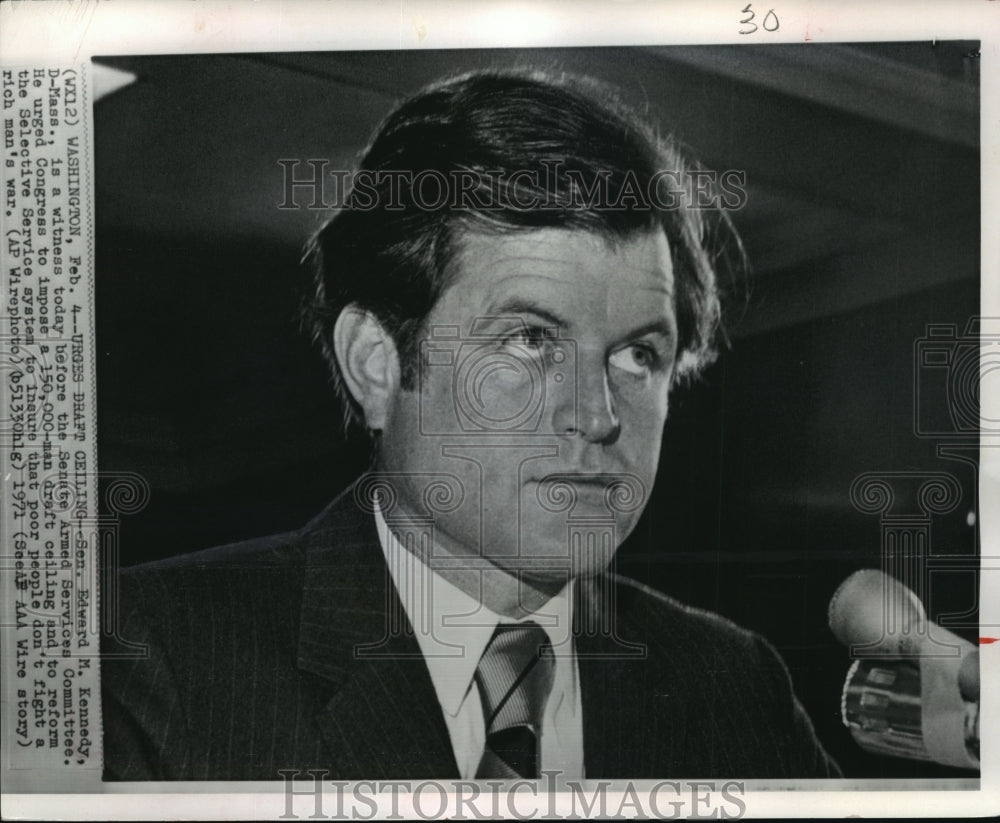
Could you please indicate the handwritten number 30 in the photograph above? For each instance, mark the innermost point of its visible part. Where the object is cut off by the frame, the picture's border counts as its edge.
(769, 23)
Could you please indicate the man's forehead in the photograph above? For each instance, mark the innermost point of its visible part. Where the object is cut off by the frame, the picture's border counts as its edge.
(490, 266)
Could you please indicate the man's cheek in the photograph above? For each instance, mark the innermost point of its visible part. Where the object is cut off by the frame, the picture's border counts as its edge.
(643, 400)
(642, 430)
(642, 462)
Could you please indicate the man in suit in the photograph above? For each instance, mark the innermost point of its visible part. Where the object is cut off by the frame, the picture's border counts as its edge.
(515, 284)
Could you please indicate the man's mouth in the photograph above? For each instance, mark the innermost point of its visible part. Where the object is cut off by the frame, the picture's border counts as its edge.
(608, 491)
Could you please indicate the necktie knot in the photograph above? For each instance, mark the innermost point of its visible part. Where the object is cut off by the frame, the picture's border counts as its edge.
(514, 677)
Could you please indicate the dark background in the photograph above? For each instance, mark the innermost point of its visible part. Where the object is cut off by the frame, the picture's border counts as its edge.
(862, 226)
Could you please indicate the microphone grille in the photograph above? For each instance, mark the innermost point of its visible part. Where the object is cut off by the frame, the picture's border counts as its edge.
(872, 609)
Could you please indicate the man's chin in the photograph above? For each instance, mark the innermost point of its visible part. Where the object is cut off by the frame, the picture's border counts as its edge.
(547, 572)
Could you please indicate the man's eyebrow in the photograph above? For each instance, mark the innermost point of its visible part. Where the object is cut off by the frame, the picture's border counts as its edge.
(659, 326)
(518, 305)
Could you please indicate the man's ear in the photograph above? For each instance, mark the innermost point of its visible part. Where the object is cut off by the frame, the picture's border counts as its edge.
(368, 362)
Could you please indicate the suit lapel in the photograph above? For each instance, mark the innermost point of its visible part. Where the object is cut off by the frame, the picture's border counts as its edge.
(383, 719)
(618, 733)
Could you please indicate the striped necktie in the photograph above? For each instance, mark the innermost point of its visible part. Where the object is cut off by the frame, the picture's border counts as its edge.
(514, 678)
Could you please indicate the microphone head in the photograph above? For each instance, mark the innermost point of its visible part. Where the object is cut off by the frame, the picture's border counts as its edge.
(873, 610)
(968, 677)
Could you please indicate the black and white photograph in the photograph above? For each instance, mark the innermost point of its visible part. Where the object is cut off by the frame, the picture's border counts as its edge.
(587, 411)
(542, 416)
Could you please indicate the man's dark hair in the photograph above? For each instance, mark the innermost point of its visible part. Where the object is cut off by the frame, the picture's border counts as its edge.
(525, 150)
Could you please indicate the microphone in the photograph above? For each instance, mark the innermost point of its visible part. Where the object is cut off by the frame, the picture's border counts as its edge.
(913, 689)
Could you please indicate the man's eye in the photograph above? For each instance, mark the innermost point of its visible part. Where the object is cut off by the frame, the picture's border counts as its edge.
(637, 360)
(529, 337)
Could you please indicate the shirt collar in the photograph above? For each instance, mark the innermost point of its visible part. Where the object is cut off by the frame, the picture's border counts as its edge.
(453, 628)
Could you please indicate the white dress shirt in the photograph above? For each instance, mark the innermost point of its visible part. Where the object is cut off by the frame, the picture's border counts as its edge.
(453, 629)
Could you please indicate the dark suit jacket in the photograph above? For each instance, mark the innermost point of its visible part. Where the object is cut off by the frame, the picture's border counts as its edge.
(252, 668)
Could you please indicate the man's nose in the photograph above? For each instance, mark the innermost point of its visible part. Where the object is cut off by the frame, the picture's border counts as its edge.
(586, 406)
